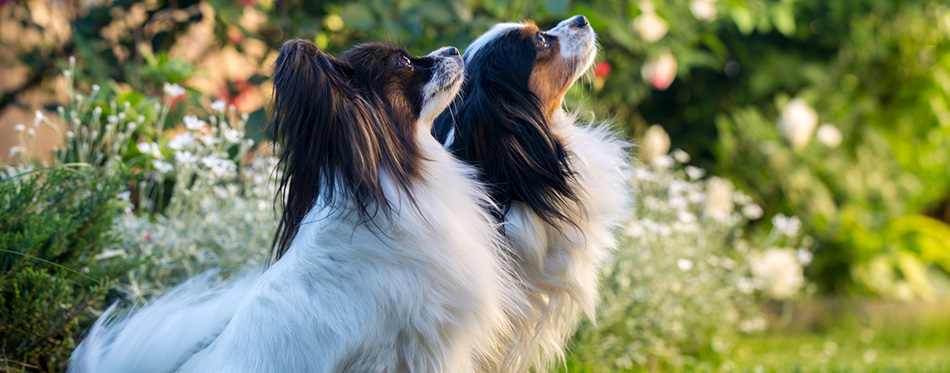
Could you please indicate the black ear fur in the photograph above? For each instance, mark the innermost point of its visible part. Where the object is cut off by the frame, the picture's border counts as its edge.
(319, 122)
(500, 127)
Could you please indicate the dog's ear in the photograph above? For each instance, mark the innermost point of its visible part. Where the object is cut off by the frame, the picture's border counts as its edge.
(320, 125)
(499, 125)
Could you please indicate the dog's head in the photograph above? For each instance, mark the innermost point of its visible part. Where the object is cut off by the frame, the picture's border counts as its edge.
(517, 78)
(545, 62)
(342, 120)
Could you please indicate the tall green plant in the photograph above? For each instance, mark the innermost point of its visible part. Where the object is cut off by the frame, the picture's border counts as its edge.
(55, 233)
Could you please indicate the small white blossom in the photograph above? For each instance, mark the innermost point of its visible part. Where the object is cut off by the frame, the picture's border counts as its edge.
(680, 156)
(39, 118)
(185, 157)
(124, 196)
(209, 140)
(162, 167)
(218, 106)
(684, 264)
(181, 141)
(95, 88)
(719, 202)
(173, 90)
(664, 161)
(193, 123)
(786, 225)
(779, 271)
(19, 128)
(804, 256)
(650, 26)
(752, 211)
(16, 150)
(704, 10)
(232, 135)
(31, 133)
(797, 122)
(655, 143)
(150, 148)
(695, 173)
(829, 135)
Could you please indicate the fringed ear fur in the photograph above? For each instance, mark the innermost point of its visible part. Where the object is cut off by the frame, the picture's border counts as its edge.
(320, 123)
(500, 127)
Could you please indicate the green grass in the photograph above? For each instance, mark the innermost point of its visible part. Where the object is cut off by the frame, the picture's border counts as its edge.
(866, 337)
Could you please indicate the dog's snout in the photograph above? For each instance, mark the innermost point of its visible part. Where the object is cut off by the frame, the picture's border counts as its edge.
(579, 21)
(452, 51)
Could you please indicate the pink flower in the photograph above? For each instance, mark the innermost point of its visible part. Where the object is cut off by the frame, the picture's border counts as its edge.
(660, 72)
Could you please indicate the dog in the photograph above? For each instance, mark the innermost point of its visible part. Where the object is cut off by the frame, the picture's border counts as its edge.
(561, 187)
(387, 256)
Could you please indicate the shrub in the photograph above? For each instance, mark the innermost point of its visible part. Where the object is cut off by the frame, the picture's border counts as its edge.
(55, 225)
(679, 288)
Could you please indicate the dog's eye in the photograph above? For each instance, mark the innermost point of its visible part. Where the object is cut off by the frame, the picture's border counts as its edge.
(540, 41)
(405, 62)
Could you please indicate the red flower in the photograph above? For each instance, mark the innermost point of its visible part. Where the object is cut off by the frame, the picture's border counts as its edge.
(602, 69)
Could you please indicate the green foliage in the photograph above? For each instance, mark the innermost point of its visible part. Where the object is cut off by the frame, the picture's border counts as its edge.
(54, 225)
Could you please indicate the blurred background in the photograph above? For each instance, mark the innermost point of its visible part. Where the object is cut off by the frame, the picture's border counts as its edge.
(793, 179)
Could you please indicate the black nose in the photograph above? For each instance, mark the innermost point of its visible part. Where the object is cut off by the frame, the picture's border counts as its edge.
(452, 51)
(579, 21)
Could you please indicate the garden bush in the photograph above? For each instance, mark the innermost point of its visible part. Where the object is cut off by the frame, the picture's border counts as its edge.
(56, 230)
(686, 278)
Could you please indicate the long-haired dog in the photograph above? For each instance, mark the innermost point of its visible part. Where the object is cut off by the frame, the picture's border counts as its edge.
(388, 257)
(562, 188)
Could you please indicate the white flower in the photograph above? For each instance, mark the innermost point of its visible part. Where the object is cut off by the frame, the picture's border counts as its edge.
(31, 133)
(660, 72)
(719, 202)
(232, 135)
(786, 225)
(745, 285)
(680, 156)
(655, 143)
(695, 172)
(193, 123)
(173, 90)
(224, 168)
(19, 128)
(39, 118)
(797, 122)
(704, 10)
(124, 196)
(210, 161)
(779, 272)
(95, 88)
(181, 141)
(162, 167)
(218, 106)
(70, 134)
(684, 264)
(752, 211)
(829, 135)
(150, 148)
(209, 140)
(185, 157)
(650, 26)
(16, 150)
(804, 256)
(663, 161)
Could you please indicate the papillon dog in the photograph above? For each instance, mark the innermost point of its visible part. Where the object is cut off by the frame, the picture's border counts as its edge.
(387, 256)
(561, 187)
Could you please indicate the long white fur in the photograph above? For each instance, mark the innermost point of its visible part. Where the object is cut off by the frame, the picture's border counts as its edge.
(430, 290)
(560, 266)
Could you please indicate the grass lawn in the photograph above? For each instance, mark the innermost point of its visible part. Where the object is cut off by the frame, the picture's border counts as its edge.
(864, 336)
